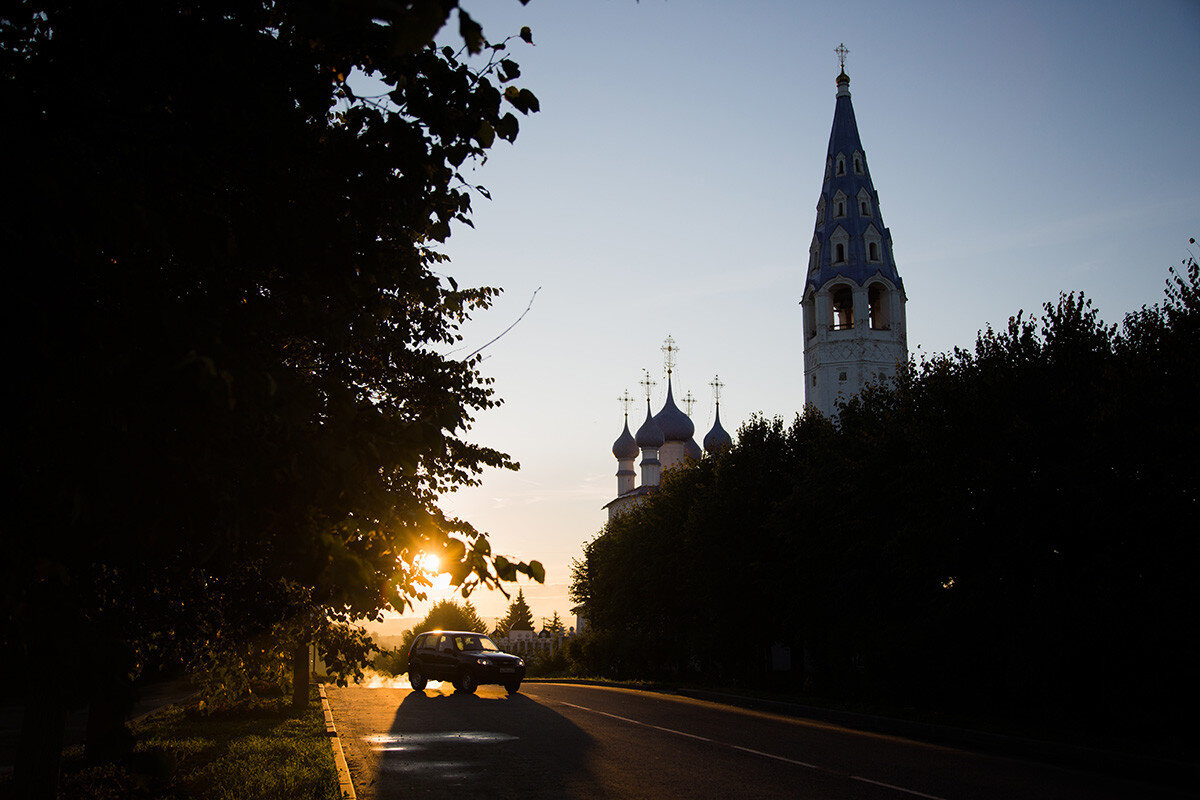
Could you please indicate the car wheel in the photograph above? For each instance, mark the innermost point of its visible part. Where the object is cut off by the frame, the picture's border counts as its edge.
(416, 679)
(512, 687)
(467, 683)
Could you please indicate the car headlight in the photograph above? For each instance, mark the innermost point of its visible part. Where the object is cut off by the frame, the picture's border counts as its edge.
(520, 662)
(484, 662)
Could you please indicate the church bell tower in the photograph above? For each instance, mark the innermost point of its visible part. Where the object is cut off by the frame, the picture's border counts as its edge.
(853, 302)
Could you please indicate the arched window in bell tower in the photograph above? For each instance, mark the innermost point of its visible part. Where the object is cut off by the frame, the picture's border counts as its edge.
(839, 245)
(841, 300)
(878, 305)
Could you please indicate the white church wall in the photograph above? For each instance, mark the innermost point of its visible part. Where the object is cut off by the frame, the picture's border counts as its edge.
(671, 454)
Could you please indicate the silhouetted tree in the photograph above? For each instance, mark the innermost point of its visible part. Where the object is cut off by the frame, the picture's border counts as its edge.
(518, 618)
(446, 615)
(1004, 529)
(236, 408)
(554, 626)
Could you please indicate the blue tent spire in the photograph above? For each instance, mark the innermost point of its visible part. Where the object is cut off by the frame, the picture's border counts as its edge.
(850, 240)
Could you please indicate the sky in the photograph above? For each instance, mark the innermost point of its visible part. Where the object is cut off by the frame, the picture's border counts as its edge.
(668, 186)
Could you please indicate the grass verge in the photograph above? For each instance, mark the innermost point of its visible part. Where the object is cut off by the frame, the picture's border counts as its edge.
(265, 752)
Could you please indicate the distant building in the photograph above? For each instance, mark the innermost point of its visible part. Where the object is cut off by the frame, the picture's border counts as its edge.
(665, 440)
(527, 644)
(853, 301)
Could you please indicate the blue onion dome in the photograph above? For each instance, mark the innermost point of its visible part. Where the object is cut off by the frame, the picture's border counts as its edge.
(676, 426)
(693, 450)
(717, 439)
(649, 435)
(625, 448)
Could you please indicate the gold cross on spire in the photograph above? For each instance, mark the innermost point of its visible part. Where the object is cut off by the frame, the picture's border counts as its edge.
(669, 350)
(647, 383)
(717, 387)
(688, 402)
(841, 51)
(625, 400)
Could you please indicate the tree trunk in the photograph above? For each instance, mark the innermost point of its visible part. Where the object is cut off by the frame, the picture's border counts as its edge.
(111, 701)
(39, 751)
(300, 676)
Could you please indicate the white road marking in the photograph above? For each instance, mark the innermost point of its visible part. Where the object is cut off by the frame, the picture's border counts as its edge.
(784, 759)
(777, 758)
(635, 722)
(897, 788)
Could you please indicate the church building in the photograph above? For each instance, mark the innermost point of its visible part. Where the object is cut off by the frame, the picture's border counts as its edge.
(853, 301)
(853, 316)
(665, 440)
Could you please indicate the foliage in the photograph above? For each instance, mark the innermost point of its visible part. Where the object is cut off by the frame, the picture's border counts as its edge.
(239, 398)
(237, 350)
(446, 615)
(261, 750)
(554, 626)
(556, 664)
(1002, 529)
(519, 617)
(391, 662)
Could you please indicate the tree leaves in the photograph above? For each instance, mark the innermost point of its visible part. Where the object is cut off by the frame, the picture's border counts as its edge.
(471, 32)
(523, 99)
(507, 128)
(205, 255)
(509, 70)
(992, 502)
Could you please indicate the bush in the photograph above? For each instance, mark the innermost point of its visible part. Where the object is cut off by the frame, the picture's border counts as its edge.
(391, 662)
(556, 665)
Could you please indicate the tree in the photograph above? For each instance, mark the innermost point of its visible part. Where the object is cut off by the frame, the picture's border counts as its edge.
(554, 626)
(518, 618)
(236, 401)
(999, 531)
(446, 615)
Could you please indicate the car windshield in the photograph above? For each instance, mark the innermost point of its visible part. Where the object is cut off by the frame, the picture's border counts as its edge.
(472, 643)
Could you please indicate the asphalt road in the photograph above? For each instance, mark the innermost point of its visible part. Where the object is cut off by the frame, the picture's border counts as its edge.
(567, 741)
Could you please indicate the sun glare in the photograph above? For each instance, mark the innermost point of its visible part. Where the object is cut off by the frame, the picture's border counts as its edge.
(431, 564)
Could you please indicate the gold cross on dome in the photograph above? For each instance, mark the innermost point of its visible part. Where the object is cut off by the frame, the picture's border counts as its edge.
(669, 350)
(841, 51)
(647, 383)
(717, 387)
(688, 402)
(625, 400)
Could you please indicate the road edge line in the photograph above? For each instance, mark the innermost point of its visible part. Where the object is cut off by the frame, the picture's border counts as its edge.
(345, 784)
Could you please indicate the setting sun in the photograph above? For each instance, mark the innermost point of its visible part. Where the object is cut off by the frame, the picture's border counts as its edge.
(429, 562)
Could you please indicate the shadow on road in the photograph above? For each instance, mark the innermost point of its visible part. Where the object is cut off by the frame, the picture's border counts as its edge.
(507, 746)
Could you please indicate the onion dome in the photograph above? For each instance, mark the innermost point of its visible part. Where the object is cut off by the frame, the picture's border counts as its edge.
(693, 450)
(675, 425)
(649, 435)
(625, 448)
(717, 439)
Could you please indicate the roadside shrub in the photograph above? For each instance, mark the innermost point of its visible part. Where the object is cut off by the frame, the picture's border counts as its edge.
(391, 662)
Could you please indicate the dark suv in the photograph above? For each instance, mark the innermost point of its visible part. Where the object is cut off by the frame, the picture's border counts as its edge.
(465, 659)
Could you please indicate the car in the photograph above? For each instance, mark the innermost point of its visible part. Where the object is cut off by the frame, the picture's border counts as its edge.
(465, 658)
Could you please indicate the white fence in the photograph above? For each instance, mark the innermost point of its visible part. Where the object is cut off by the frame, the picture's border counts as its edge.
(528, 644)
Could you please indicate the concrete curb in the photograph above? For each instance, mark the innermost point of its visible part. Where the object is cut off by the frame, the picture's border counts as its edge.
(345, 785)
(1142, 767)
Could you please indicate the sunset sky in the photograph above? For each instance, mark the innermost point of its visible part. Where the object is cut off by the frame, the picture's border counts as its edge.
(669, 183)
